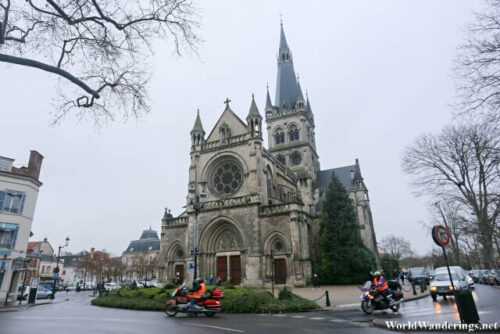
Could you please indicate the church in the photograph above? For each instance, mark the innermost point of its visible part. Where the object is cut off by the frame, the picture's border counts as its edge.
(253, 213)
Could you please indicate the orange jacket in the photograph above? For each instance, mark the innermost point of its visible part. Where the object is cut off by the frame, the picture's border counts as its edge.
(201, 292)
(380, 284)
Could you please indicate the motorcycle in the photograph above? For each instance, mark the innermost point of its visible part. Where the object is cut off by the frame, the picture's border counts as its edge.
(209, 304)
(371, 300)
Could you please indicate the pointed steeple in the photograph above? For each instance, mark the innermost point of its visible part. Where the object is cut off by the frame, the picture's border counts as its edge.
(286, 83)
(283, 43)
(300, 96)
(269, 104)
(254, 111)
(308, 104)
(198, 127)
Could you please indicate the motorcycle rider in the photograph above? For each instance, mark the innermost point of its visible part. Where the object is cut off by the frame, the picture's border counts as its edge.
(382, 287)
(198, 292)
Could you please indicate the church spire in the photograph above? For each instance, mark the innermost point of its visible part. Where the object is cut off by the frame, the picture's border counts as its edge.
(254, 111)
(286, 83)
(269, 104)
(197, 133)
(254, 120)
(198, 127)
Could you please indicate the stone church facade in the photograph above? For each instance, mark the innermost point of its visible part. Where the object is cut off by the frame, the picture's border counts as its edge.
(261, 207)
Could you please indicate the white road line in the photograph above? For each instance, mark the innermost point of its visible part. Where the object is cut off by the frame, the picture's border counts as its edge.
(317, 318)
(298, 316)
(338, 320)
(221, 328)
(279, 315)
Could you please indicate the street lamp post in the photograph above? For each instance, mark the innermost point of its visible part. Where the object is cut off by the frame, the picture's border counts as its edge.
(197, 204)
(56, 269)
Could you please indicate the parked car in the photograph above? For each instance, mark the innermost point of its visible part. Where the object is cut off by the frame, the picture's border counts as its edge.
(431, 275)
(46, 285)
(494, 277)
(42, 293)
(417, 275)
(483, 276)
(441, 284)
(474, 274)
(111, 286)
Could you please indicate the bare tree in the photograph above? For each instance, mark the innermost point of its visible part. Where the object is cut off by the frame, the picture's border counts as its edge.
(397, 247)
(461, 165)
(478, 65)
(100, 47)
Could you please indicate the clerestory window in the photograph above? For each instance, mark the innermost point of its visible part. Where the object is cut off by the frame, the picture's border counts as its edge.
(293, 133)
(279, 136)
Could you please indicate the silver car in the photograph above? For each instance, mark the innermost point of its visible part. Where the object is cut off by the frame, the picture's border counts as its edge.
(441, 285)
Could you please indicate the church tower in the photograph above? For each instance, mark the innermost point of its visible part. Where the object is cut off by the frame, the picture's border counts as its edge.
(290, 121)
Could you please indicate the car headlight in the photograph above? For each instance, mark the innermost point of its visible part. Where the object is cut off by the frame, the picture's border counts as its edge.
(452, 287)
(433, 288)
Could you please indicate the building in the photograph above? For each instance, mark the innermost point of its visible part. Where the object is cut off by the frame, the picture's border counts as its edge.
(261, 207)
(71, 274)
(18, 195)
(141, 257)
(34, 252)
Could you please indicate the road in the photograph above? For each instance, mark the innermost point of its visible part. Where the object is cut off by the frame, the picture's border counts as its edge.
(78, 316)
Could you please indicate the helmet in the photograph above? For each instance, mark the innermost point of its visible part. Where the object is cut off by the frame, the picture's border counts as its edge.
(377, 273)
(199, 280)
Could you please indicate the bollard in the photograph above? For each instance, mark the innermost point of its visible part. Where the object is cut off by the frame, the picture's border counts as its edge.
(327, 298)
(413, 287)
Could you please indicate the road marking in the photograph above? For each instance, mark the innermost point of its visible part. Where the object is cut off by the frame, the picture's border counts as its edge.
(298, 316)
(279, 315)
(338, 320)
(221, 328)
(316, 318)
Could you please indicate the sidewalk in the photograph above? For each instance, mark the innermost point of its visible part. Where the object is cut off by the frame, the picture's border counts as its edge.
(346, 296)
(14, 306)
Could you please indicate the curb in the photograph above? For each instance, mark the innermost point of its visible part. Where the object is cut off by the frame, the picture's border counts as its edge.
(347, 307)
(24, 307)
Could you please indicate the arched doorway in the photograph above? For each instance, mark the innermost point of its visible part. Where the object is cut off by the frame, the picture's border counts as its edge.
(222, 247)
(277, 245)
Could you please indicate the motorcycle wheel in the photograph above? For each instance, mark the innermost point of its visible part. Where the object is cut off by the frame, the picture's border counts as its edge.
(171, 310)
(210, 313)
(368, 309)
(395, 308)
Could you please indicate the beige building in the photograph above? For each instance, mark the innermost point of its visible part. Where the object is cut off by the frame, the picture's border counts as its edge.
(258, 202)
(18, 195)
(141, 257)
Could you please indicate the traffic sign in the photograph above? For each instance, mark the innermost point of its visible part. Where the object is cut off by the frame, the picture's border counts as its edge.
(440, 235)
(193, 253)
(56, 276)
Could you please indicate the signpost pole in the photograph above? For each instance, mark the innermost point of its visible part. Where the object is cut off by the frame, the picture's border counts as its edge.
(449, 272)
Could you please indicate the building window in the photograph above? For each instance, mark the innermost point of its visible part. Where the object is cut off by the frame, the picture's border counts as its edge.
(279, 136)
(281, 158)
(293, 133)
(8, 235)
(12, 201)
(227, 178)
(295, 158)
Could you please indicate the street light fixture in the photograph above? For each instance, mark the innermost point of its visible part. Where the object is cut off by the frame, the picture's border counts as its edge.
(197, 203)
(56, 269)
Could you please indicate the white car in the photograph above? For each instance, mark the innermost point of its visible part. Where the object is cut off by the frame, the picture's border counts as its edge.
(441, 285)
(111, 286)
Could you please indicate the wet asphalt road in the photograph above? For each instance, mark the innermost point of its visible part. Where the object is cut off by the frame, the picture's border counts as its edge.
(78, 316)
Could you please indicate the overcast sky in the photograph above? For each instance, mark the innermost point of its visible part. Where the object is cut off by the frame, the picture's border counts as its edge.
(378, 74)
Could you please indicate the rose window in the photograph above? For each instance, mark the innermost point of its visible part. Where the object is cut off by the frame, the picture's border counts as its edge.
(226, 178)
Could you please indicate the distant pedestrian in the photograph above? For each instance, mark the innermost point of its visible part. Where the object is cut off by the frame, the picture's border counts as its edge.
(316, 284)
(219, 281)
(402, 277)
(395, 274)
(211, 280)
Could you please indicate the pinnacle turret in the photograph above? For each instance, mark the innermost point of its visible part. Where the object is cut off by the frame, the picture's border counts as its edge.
(254, 111)
(198, 127)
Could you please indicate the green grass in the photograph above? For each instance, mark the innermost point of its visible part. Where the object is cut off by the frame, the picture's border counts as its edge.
(236, 300)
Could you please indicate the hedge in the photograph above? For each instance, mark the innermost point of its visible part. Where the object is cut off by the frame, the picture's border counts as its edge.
(236, 300)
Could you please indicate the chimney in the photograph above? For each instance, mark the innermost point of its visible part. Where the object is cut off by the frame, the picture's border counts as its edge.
(44, 239)
(35, 164)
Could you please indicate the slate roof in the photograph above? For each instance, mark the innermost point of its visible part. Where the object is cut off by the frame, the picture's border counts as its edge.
(344, 176)
(149, 242)
(198, 127)
(254, 111)
(71, 260)
(286, 83)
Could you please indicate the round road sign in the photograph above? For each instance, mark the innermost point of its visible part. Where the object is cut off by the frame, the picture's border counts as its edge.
(440, 235)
